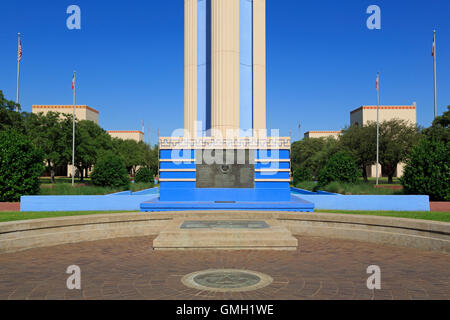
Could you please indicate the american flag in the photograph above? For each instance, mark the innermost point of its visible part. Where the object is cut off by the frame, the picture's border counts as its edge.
(19, 53)
(73, 81)
(378, 81)
(434, 47)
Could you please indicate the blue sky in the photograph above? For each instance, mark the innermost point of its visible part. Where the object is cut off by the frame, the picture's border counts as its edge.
(321, 59)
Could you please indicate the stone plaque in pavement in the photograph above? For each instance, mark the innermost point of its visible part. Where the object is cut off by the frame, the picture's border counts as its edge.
(227, 280)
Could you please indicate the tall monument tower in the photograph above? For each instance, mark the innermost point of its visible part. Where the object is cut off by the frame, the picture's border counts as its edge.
(225, 159)
(225, 67)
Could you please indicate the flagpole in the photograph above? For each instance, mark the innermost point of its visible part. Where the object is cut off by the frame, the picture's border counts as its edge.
(18, 71)
(378, 125)
(435, 81)
(73, 131)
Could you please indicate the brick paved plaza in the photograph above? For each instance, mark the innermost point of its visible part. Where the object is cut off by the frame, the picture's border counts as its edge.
(128, 268)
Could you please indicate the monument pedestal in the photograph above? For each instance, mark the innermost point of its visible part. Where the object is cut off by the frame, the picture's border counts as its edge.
(225, 174)
(183, 234)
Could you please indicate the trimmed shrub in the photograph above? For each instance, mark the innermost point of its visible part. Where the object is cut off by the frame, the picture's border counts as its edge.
(21, 164)
(145, 175)
(427, 170)
(341, 167)
(110, 171)
(301, 174)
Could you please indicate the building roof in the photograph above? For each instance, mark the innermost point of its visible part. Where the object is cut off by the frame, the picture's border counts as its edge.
(324, 131)
(413, 107)
(124, 131)
(64, 107)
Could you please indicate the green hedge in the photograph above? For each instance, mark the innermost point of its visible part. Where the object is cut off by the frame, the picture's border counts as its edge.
(21, 164)
(302, 174)
(428, 170)
(341, 167)
(145, 175)
(110, 171)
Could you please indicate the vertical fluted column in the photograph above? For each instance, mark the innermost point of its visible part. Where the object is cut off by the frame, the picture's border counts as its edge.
(225, 65)
(259, 64)
(190, 66)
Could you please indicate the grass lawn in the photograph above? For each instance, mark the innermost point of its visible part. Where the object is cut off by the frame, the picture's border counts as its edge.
(383, 181)
(61, 187)
(434, 216)
(349, 188)
(423, 215)
(16, 216)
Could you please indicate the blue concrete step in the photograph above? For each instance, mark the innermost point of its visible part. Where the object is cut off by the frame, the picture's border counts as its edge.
(295, 204)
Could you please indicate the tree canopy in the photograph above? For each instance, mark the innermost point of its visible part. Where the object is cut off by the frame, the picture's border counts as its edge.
(312, 153)
(91, 141)
(440, 130)
(360, 143)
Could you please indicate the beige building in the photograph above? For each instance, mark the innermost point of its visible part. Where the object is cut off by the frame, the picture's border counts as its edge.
(365, 114)
(323, 134)
(81, 112)
(137, 136)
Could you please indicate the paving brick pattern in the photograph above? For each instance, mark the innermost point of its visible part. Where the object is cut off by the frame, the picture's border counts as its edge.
(128, 268)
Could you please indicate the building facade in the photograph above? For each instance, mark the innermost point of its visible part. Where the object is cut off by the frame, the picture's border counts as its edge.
(323, 134)
(137, 136)
(365, 114)
(81, 112)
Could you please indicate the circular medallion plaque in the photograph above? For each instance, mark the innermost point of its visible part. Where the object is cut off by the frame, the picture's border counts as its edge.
(226, 280)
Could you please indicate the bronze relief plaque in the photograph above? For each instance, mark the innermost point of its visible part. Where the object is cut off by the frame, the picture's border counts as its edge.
(225, 169)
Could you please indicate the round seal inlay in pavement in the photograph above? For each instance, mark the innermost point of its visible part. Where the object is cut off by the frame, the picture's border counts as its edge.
(226, 280)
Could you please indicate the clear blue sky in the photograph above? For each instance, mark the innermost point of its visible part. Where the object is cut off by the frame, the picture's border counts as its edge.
(321, 59)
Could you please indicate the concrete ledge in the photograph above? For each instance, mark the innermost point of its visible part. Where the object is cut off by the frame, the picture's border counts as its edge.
(421, 234)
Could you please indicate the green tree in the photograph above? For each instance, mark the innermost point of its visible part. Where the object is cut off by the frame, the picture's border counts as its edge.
(313, 153)
(52, 133)
(151, 159)
(341, 168)
(21, 164)
(91, 141)
(301, 174)
(9, 118)
(131, 152)
(397, 138)
(360, 143)
(110, 171)
(145, 175)
(440, 130)
(427, 170)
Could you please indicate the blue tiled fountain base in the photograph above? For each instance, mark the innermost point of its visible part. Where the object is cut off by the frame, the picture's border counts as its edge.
(295, 204)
